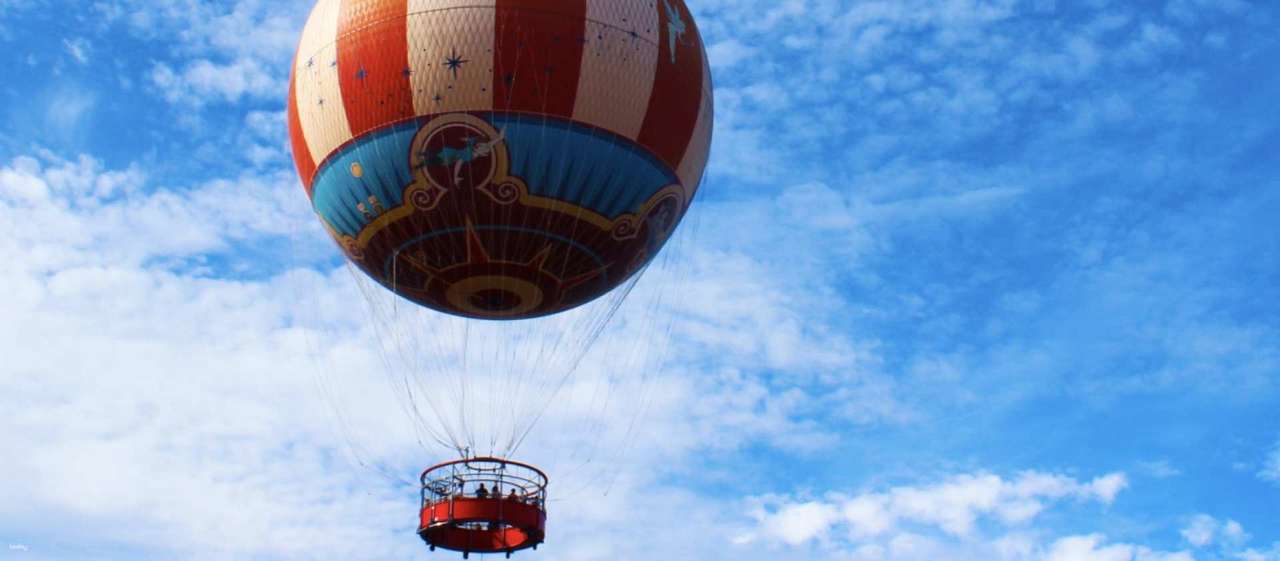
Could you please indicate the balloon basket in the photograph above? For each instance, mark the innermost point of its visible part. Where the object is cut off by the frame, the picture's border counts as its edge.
(483, 505)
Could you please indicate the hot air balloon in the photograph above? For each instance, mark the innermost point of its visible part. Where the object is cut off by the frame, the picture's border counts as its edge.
(497, 160)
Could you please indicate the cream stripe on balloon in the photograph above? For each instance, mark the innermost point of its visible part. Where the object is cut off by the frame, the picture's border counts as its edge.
(318, 95)
(619, 63)
(451, 55)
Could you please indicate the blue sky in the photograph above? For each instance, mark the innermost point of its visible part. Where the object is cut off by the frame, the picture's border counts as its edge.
(966, 280)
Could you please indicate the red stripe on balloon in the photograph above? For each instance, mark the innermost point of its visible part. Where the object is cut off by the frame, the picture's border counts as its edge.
(301, 152)
(373, 64)
(677, 88)
(537, 58)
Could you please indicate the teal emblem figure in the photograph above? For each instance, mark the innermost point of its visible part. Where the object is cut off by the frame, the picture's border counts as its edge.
(471, 151)
(675, 28)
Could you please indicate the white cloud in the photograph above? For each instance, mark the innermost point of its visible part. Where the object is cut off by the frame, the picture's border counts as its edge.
(266, 124)
(799, 523)
(191, 402)
(1271, 466)
(221, 52)
(1106, 488)
(78, 49)
(729, 53)
(961, 518)
(203, 81)
(238, 28)
(953, 507)
(1159, 469)
(1222, 539)
(21, 179)
(1251, 554)
(868, 516)
(68, 107)
(76, 213)
(1233, 532)
(195, 396)
(1093, 548)
(1200, 531)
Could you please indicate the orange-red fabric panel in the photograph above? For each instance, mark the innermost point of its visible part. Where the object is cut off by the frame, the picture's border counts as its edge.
(677, 89)
(373, 65)
(301, 152)
(537, 59)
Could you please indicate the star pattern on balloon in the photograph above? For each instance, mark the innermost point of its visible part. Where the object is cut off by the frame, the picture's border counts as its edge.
(454, 62)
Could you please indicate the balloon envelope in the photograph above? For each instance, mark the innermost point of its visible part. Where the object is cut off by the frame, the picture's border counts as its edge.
(500, 159)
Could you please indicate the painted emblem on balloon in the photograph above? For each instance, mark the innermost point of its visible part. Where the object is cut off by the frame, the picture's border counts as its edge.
(460, 151)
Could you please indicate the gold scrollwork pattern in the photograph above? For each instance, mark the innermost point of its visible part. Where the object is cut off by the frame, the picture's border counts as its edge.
(425, 198)
(505, 192)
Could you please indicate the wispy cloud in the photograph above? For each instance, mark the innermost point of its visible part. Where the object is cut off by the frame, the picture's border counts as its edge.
(951, 508)
(1271, 466)
(78, 49)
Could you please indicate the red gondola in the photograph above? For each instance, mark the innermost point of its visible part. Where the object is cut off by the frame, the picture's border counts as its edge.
(483, 505)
